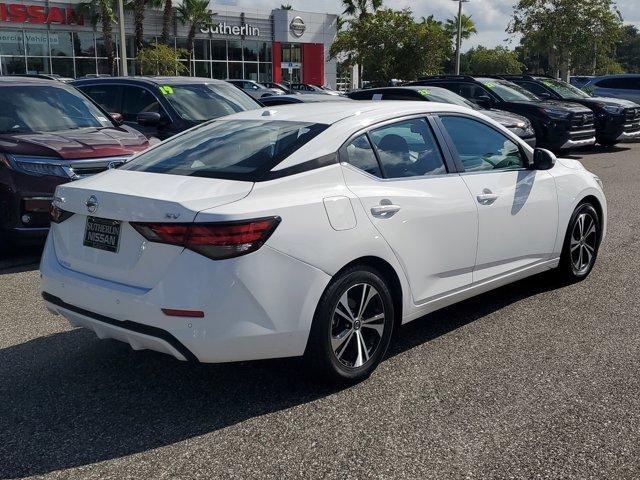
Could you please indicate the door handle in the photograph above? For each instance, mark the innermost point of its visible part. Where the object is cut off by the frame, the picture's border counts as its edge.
(487, 197)
(385, 211)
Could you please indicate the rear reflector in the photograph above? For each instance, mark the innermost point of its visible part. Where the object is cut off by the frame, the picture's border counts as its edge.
(213, 240)
(183, 313)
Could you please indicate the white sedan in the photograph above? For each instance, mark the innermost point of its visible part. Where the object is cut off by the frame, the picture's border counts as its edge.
(313, 231)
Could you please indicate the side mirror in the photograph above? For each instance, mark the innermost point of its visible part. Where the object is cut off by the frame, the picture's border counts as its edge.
(116, 117)
(543, 159)
(149, 119)
(484, 101)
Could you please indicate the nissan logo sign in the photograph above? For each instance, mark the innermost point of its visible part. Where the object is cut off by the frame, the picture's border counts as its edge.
(297, 27)
(92, 204)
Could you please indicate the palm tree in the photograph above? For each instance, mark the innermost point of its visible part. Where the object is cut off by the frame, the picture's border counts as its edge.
(194, 13)
(167, 16)
(361, 8)
(468, 26)
(138, 7)
(103, 12)
(286, 7)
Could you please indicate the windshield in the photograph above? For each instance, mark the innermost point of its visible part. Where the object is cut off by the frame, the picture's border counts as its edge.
(565, 90)
(442, 95)
(47, 108)
(234, 149)
(508, 91)
(202, 102)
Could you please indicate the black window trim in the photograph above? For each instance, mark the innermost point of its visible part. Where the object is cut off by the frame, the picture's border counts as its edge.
(528, 158)
(447, 158)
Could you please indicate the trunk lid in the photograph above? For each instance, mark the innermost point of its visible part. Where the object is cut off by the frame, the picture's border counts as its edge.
(128, 196)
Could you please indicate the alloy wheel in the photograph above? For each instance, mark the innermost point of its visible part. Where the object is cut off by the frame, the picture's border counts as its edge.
(357, 325)
(584, 242)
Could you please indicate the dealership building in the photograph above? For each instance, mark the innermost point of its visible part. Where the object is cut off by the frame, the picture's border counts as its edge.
(280, 45)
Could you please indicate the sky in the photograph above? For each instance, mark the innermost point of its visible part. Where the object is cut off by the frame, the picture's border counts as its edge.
(491, 16)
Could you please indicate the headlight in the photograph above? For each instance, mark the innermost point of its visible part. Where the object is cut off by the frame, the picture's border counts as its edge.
(40, 166)
(556, 113)
(613, 109)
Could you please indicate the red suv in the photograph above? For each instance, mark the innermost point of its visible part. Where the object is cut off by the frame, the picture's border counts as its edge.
(50, 134)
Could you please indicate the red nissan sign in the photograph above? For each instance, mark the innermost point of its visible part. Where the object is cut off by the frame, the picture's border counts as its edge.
(38, 14)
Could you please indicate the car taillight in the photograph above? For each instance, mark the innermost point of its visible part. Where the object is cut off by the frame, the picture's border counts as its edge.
(213, 240)
(57, 215)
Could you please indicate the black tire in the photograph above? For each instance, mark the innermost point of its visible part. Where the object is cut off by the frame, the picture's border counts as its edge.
(579, 253)
(608, 143)
(346, 363)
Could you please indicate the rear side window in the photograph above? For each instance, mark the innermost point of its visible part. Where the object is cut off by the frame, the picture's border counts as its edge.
(107, 96)
(234, 149)
(630, 83)
(408, 149)
(534, 88)
(480, 147)
(360, 154)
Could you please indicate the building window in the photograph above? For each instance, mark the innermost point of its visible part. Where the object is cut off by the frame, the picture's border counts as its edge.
(37, 43)
(219, 70)
(235, 70)
(85, 66)
(251, 51)
(291, 52)
(251, 71)
(218, 50)
(11, 42)
(235, 50)
(61, 44)
(84, 44)
(13, 65)
(62, 66)
(38, 65)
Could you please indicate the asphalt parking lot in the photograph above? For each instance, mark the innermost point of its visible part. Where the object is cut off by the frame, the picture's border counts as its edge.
(535, 380)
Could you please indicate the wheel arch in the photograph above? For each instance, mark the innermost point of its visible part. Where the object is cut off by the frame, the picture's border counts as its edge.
(390, 275)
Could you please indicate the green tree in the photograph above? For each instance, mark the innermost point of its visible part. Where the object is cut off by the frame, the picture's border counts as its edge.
(103, 12)
(468, 28)
(574, 34)
(390, 44)
(491, 61)
(628, 50)
(160, 59)
(286, 7)
(194, 13)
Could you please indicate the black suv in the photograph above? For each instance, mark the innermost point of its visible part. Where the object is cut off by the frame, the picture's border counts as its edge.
(616, 119)
(163, 106)
(517, 124)
(559, 125)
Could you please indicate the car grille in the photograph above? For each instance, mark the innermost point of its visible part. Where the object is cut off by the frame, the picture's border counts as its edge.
(632, 120)
(582, 126)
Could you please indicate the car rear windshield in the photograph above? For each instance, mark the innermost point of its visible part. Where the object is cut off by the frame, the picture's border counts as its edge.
(507, 91)
(565, 90)
(206, 101)
(47, 108)
(231, 149)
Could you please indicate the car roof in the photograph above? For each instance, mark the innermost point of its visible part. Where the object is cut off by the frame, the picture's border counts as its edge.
(315, 97)
(155, 81)
(6, 80)
(349, 112)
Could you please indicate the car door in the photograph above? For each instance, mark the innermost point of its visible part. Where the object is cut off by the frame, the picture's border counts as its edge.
(109, 97)
(424, 213)
(517, 206)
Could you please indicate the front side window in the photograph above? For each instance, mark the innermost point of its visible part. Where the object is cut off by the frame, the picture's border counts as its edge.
(107, 96)
(408, 149)
(360, 154)
(202, 102)
(47, 108)
(138, 100)
(480, 147)
(232, 149)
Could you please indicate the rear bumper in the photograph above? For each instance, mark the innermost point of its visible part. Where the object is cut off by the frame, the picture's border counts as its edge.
(629, 136)
(256, 306)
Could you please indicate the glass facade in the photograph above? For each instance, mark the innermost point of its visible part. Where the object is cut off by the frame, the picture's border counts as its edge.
(76, 54)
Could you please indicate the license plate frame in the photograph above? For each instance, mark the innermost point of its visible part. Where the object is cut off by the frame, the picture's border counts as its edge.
(102, 234)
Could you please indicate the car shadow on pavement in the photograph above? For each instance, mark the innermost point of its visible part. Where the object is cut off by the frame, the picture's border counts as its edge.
(19, 259)
(69, 400)
(580, 153)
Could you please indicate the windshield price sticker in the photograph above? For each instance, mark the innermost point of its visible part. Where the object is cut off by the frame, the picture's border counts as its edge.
(424, 92)
(489, 84)
(166, 90)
